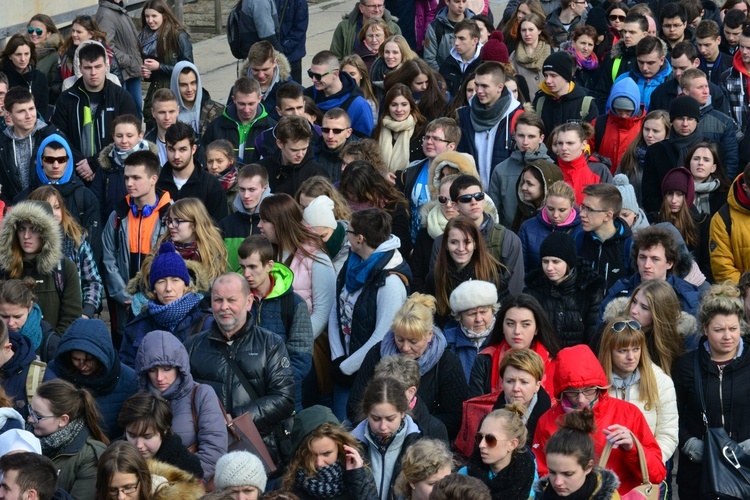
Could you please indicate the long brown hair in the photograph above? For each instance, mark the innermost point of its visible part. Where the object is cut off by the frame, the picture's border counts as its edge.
(65, 399)
(124, 458)
(292, 233)
(400, 90)
(364, 84)
(319, 185)
(71, 228)
(168, 33)
(485, 265)
(18, 40)
(682, 220)
(362, 183)
(432, 102)
(629, 164)
(89, 24)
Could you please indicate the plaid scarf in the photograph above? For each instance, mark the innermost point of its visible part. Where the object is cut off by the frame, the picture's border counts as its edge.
(328, 481)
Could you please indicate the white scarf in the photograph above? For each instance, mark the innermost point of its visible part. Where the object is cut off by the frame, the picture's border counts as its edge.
(396, 155)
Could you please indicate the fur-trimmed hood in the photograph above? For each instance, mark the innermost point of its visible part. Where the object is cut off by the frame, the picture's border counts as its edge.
(686, 324)
(170, 483)
(606, 487)
(105, 160)
(35, 213)
(285, 69)
(140, 283)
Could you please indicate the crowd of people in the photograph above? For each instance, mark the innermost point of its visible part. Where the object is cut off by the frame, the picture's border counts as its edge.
(474, 259)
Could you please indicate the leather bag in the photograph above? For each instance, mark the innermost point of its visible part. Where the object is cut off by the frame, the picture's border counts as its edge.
(646, 490)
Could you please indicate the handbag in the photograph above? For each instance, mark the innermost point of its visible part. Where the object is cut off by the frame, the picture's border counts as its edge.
(726, 467)
(646, 490)
(475, 409)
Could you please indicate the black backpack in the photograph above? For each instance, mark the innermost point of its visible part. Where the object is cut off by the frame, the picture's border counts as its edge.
(239, 35)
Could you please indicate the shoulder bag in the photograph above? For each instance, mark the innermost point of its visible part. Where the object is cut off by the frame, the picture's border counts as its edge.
(646, 490)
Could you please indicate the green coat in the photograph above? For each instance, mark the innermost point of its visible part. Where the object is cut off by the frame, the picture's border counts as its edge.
(77, 465)
(342, 43)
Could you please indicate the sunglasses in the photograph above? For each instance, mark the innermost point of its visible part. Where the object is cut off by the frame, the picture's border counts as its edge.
(615, 17)
(31, 30)
(318, 76)
(336, 131)
(53, 159)
(466, 198)
(619, 326)
(443, 200)
(488, 438)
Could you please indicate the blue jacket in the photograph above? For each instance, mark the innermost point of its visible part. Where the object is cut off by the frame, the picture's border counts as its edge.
(13, 372)
(293, 21)
(624, 87)
(351, 99)
(464, 348)
(534, 231)
(646, 86)
(112, 386)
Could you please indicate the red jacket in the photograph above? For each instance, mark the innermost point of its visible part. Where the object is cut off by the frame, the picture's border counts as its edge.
(579, 174)
(496, 352)
(577, 367)
(618, 134)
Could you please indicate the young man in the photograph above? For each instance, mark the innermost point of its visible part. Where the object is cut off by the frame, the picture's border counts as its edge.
(734, 22)
(713, 61)
(84, 112)
(559, 100)
(333, 88)
(345, 39)
(615, 130)
(606, 238)
(275, 305)
(252, 188)
(674, 24)
(165, 110)
(241, 121)
(293, 163)
(141, 213)
(27, 476)
(20, 141)
(270, 69)
(183, 177)
(502, 243)
(196, 107)
(463, 58)
(529, 139)
(622, 57)
(734, 84)
(657, 253)
(487, 124)
(337, 133)
(729, 226)
(439, 39)
(652, 68)
(714, 125)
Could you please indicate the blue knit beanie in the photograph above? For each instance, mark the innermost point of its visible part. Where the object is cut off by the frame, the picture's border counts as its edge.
(168, 263)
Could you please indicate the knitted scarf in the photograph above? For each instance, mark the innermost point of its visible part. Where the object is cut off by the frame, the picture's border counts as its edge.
(55, 442)
(681, 144)
(483, 117)
(703, 192)
(532, 60)
(147, 39)
(170, 315)
(623, 385)
(478, 338)
(188, 251)
(336, 241)
(436, 222)
(514, 481)
(328, 481)
(228, 177)
(358, 270)
(396, 152)
(383, 442)
(120, 155)
(429, 358)
(588, 63)
(32, 329)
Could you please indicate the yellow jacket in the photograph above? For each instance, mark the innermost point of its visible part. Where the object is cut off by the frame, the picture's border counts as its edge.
(730, 256)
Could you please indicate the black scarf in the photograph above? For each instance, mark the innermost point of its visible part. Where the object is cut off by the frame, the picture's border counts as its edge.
(457, 276)
(328, 481)
(514, 481)
(681, 144)
(484, 118)
(588, 488)
(382, 443)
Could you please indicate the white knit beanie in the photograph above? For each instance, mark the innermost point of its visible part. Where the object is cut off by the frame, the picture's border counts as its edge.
(240, 468)
(471, 294)
(319, 213)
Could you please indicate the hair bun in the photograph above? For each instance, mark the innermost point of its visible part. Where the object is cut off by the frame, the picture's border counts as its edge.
(516, 408)
(580, 421)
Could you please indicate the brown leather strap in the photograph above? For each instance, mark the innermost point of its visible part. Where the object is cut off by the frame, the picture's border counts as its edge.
(641, 458)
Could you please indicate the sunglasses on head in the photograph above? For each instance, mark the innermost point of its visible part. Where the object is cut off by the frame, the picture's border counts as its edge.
(615, 17)
(53, 159)
(31, 30)
(619, 326)
(466, 198)
(488, 438)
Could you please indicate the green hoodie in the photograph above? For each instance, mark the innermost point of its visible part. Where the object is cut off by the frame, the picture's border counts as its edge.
(244, 130)
(282, 280)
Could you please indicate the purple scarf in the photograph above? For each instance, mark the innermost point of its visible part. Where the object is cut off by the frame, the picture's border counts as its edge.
(592, 62)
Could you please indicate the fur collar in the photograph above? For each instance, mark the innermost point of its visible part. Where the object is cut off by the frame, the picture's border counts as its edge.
(106, 162)
(686, 324)
(607, 484)
(169, 482)
(285, 69)
(32, 212)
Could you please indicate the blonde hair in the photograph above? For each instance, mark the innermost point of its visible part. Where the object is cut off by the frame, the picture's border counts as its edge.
(422, 460)
(403, 46)
(415, 318)
(561, 189)
(723, 298)
(630, 337)
(511, 418)
(524, 360)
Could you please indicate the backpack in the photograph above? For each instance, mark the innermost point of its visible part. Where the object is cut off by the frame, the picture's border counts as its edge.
(727, 218)
(241, 32)
(585, 106)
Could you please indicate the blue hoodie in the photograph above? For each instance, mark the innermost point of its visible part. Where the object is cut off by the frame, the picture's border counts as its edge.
(625, 87)
(358, 108)
(40, 152)
(646, 86)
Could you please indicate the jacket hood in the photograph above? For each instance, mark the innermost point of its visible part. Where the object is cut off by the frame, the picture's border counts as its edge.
(8, 414)
(735, 196)
(463, 162)
(174, 85)
(170, 482)
(105, 160)
(360, 432)
(625, 87)
(40, 152)
(336, 100)
(282, 64)
(551, 173)
(40, 124)
(577, 367)
(239, 207)
(606, 485)
(161, 348)
(685, 261)
(687, 325)
(739, 65)
(23, 354)
(33, 212)
(282, 280)
(77, 62)
(620, 50)
(90, 336)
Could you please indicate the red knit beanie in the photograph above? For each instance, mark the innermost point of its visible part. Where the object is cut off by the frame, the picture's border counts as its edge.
(495, 49)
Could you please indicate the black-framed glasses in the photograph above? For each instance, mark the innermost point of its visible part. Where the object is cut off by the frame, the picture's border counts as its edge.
(585, 208)
(443, 200)
(616, 17)
(619, 326)
(31, 30)
(488, 438)
(35, 417)
(318, 76)
(176, 222)
(589, 392)
(435, 139)
(352, 232)
(52, 159)
(128, 489)
(336, 131)
(466, 198)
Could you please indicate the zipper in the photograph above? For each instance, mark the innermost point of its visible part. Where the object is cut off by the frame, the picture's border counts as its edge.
(382, 472)
(721, 397)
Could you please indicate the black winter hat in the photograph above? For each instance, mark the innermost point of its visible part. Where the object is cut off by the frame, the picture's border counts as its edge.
(685, 105)
(561, 63)
(597, 18)
(559, 244)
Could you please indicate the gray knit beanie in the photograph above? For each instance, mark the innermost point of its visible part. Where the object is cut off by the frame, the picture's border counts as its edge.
(240, 468)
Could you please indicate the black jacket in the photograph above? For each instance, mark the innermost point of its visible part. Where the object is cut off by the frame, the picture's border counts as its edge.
(573, 305)
(173, 452)
(420, 260)
(567, 108)
(626, 55)
(227, 127)
(69, 117)
(543, 403)
(263, 359)
(611, 258)
(36, 82)
(201, 185)
(288, 178)
(664, 94)
(450, 70)
(10, 179)
(14, 372)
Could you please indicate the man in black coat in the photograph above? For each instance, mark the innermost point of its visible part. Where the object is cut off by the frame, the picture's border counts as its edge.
(182, 177)
(464, 56)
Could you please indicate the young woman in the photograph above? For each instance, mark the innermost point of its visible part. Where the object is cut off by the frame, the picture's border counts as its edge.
(583, 41)
(531, 189)
(399, 129)
(462, 98)
(386, 432)
(635, 378)
(722, 364)
(32, 246)
(655, 129)
(413, 333)
(558, 213)
(302, 250)
(391, 55)
(616, 13)
(147, 420)
(711, 184)
(221, 162)
(364, 187)
(164, 42)
(18, 61)
(511, 28)
(427, 91)
(570, 459)
(326, 461)
(373, 34)
(578, 169)
(533, 45)
(521, 324)
(501, 458)
(462, 256)
(47, 40)
(355, 67)
(20, 313)
(567, 18)
(76, 248)
(162, 366)
(321, 186)
(424, 464)
(568, 288)
(66, 421)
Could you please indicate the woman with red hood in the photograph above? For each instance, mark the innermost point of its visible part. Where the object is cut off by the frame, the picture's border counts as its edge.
(580, 382)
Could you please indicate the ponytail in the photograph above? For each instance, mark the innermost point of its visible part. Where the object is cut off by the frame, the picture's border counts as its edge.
(65, 399)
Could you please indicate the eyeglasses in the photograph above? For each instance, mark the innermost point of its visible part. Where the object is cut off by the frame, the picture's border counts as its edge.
(435, 139)
(352, 232)
(619, 326)
(52, 159)
(376, 6)
(375, 36)
(585, 208)
(318, 76)
(615, 17)
(31, 30)
(336, 131)
(589, 392)
(488, 438)
(35, 417)
(128, 489)
(466, 198)
(175, 222)
(672, 26)
(444, 200)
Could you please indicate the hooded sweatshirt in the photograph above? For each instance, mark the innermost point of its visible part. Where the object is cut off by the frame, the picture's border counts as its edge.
(619, 132)
(23, 148)
(351, 99)
(15, 370)
(68, 166)
(646, 86)
(191, 116)
(238, 226)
